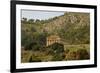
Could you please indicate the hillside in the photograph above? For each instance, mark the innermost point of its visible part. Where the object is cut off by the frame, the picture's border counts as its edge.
(73, 28)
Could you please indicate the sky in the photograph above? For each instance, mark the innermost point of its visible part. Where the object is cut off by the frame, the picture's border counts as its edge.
(42, 15)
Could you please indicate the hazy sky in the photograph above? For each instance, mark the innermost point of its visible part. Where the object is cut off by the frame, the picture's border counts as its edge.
(30, 14)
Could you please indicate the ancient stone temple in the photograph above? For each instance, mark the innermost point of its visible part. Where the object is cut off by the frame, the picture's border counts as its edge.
(52, 39)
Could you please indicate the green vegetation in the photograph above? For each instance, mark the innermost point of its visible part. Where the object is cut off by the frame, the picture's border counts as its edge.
(73, 29)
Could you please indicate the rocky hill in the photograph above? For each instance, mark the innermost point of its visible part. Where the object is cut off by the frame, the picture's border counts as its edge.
(73, 28)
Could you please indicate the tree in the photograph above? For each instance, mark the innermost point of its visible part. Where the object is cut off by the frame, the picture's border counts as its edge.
(31, 21)
(37, 20)
(58, 48)
(24, 20)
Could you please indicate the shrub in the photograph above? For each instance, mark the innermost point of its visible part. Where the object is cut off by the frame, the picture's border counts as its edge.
(36, 47)
(66, 51)
(71, 55)
(57, 57)
(82, 54)
(34, 59)
(57, 48)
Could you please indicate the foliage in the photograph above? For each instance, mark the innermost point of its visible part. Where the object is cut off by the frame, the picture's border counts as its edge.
(57, 57)
(57, 48)
(82, 54)
(34, 59)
